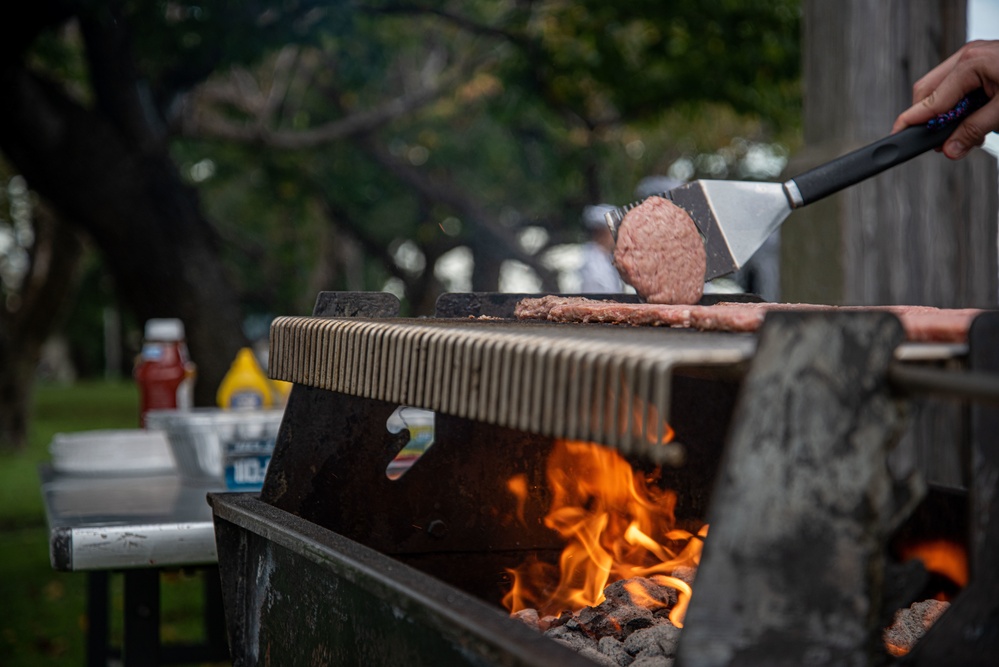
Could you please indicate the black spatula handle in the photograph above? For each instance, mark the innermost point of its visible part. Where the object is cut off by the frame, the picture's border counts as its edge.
(872, 159)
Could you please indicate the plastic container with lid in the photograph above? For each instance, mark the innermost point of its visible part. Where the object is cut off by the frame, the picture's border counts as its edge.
(245, 387)
(164, 373)
(231, 447)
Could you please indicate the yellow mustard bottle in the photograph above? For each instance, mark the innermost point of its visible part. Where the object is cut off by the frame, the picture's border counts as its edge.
(244, 387)
(280, 390)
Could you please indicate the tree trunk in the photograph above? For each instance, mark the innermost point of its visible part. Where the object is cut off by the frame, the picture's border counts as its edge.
(126, 193)
(921, 233)
(24, 328)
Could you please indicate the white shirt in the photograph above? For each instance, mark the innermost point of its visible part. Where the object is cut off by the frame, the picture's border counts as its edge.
(596, 271)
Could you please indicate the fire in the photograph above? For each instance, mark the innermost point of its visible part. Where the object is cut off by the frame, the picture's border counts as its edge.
(617, 525)
(517, 485)
(945, 557)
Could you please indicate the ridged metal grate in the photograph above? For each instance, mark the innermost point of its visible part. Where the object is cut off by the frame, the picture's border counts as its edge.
(604, 384)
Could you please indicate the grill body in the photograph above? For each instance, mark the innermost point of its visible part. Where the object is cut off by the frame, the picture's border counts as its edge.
(335, 562)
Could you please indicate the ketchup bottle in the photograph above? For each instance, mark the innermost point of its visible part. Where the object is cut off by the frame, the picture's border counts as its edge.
(164, 372)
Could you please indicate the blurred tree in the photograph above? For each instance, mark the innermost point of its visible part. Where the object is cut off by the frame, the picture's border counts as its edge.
(232, 158)
(44, 268)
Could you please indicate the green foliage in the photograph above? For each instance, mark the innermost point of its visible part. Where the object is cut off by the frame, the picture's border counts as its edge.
(551, 106)
(639, 57)
(180, 42)
(571, 103)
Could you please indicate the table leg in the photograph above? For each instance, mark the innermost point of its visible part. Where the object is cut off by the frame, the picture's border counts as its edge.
(142, 618)
(214, 615)
(97, 619)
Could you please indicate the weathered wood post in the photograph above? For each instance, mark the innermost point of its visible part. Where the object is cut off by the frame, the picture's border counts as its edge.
(921, 233)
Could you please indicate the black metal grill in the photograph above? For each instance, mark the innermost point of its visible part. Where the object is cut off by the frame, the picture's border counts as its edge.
(782, 442)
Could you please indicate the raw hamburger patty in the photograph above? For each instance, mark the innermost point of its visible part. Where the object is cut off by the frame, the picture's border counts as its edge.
(924, 324)
(581, 309)
(921, 323)
(538, 308)
(660, 253)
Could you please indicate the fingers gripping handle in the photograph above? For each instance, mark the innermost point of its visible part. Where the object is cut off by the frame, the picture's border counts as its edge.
(883, 154)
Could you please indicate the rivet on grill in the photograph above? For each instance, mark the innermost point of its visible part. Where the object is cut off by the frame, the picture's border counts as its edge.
(437, 528)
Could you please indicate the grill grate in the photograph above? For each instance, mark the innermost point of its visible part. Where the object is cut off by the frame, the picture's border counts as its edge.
(609, 386)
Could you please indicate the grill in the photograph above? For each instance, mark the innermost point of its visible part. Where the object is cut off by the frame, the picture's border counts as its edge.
(782, 441)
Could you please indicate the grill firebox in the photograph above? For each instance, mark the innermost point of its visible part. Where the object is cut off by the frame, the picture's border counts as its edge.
(781, 441)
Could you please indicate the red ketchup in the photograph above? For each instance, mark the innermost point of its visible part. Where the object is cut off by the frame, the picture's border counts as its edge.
(164, 372)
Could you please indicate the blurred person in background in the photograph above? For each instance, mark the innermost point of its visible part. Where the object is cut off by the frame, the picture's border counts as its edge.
(596, 273)
(656, 185)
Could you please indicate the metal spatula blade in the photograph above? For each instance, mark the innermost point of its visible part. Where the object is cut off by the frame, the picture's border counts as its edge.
(735, 218)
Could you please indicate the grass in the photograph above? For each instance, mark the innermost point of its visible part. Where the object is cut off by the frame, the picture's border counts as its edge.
(44, 612)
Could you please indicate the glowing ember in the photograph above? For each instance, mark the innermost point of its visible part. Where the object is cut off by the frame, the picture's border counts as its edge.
(911, 624)
(617, 525)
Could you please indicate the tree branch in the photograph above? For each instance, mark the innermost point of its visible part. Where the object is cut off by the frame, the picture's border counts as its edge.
(467, 206)
(462, 22)
(200, 118)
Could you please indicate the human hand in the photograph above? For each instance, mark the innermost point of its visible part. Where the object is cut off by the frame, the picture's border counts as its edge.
(974, 65)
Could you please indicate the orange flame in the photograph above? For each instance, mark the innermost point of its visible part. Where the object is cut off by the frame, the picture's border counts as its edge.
(895, 650)
(945, 557)
(517, 485)
(617, 525)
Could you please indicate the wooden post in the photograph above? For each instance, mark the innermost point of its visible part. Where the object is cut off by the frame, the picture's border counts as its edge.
(923, 233)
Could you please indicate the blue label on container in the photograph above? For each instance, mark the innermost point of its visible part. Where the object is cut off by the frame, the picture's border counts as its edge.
(244, 400)
(246, 473)
(246, 463)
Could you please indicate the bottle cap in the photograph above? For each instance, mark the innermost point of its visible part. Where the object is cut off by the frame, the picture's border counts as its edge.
(166, 329)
